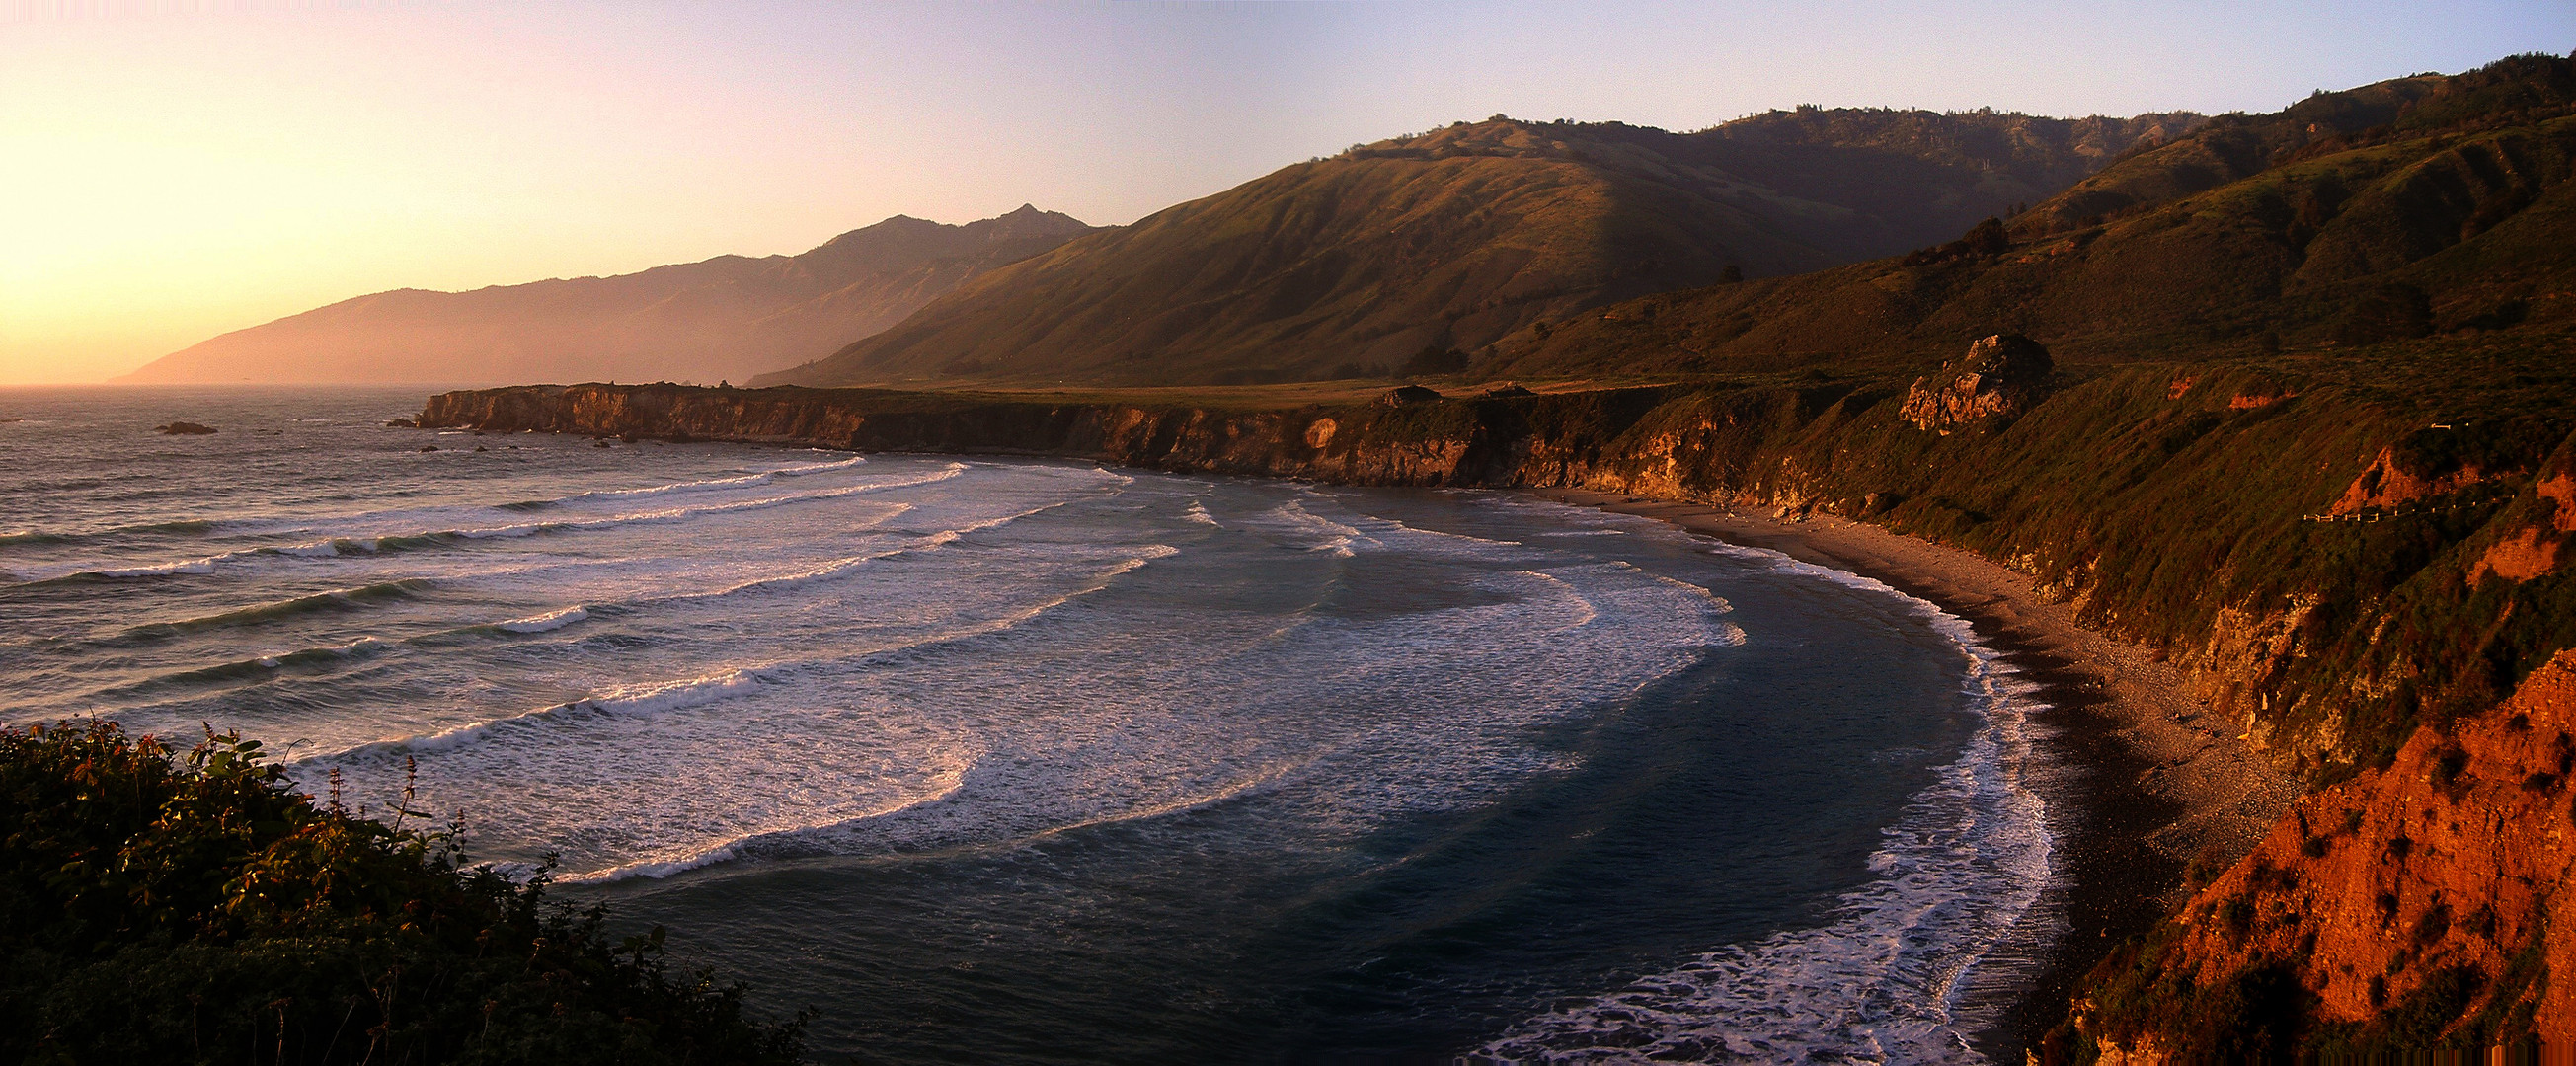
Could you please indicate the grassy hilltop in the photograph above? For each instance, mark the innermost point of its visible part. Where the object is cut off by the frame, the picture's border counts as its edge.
(1453, 238)
(2429, 207)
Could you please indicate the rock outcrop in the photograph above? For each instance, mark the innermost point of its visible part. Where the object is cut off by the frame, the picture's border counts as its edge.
(2534, 550)
(2406, 906)
(2001, 375)
(186, 429)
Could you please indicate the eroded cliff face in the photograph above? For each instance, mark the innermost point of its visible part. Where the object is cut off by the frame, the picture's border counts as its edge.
(2407, 906)
(1299, 443)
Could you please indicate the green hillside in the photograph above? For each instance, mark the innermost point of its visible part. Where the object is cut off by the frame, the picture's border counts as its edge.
(2425, 206)
(1452, 239)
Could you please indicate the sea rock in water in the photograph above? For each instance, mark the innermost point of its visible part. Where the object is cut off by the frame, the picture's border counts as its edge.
(1406, 395)
(187, 428)
(2001, 375)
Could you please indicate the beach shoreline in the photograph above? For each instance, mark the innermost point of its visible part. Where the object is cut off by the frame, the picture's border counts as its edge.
(2154, 779)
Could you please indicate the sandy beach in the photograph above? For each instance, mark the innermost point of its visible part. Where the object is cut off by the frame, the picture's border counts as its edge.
(2156, 779)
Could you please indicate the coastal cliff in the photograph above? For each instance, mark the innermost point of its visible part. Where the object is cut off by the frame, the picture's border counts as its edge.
(2356, 587)
(2394, 910)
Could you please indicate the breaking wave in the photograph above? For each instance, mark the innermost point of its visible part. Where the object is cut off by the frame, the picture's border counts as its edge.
(646, 699)
(1892, 976)
(339, 546)
(543, 623)
(333, 601)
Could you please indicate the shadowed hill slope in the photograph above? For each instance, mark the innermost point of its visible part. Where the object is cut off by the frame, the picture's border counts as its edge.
(727, 317)
(2423, 205)
(1453, 238)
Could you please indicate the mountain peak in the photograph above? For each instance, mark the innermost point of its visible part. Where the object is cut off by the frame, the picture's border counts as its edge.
(725, 317)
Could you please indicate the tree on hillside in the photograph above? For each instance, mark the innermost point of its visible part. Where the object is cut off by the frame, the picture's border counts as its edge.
(1434, 360)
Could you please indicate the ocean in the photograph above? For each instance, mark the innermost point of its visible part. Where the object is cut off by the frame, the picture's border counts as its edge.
(1025, 761)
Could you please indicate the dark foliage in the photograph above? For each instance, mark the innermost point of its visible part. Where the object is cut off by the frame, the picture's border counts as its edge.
(1986, 238)
(2256, 1015)
(2387, 313)
(2415, 1024)
(1435, 361)
(167, 907)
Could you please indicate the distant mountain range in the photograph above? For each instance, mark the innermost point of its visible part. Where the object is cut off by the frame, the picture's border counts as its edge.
(1455, 238)
(724, 318)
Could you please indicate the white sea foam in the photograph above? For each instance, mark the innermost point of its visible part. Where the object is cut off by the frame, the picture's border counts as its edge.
(339, 546)
(698, 691)
(188, 566)
(1392, 524)
(1293, 519)
(708, 485)
(683, 514)
(748, 480)
(777, 838)
(1888, 979)
(318, 550)
(656, 869)
(277, 657)
(844, 566)
(643, 699)
(551, 620)
(1585, 612)
(802, 469)
(1013, 619)
(323, 549)
(1716, 604)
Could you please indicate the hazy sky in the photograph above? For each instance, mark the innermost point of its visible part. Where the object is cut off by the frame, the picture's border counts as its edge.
(173, 170)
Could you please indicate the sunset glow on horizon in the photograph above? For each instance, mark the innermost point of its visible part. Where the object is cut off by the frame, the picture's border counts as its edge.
(177, 172)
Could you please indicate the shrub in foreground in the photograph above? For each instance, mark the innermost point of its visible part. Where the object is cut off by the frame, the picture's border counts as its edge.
(158, 906)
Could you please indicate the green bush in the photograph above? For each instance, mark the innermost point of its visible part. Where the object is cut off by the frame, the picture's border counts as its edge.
(167, 907)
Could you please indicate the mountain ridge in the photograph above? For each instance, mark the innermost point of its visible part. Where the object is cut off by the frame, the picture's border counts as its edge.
(1452, 238)
(2249, 233)
(729, 316)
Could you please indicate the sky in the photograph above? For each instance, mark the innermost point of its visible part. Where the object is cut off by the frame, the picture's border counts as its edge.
(175, 169)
